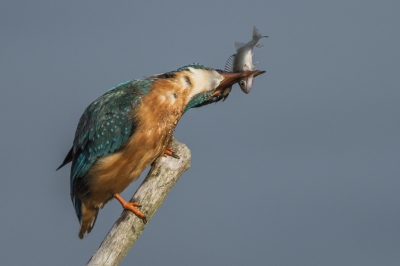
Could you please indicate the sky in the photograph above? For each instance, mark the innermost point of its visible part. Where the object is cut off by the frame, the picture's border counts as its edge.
(304, 170)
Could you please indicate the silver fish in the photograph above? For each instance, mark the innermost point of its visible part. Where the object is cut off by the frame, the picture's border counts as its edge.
(243, 59)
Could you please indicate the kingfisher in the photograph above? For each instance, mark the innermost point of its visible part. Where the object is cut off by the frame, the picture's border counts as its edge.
(130, 126)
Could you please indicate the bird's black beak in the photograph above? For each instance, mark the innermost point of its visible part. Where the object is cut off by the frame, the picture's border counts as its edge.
(232, 78)
(224, 88)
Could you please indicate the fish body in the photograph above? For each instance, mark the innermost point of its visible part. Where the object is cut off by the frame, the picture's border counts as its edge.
(243, 60)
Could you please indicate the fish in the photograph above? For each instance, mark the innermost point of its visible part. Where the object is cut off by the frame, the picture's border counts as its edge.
(243, 60)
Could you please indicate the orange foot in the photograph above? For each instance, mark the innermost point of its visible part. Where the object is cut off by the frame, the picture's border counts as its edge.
(171, 152)
(132, 206)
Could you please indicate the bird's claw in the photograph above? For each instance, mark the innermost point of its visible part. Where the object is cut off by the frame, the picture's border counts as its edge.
(171, 152)
(135, 204)
(133, 207)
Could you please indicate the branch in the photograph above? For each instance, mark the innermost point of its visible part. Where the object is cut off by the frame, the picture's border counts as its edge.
(163, 175)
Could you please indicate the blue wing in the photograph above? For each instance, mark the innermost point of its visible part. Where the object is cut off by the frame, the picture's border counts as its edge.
(104, 127)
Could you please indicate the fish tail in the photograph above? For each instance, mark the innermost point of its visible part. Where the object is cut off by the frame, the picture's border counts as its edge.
(256, 34)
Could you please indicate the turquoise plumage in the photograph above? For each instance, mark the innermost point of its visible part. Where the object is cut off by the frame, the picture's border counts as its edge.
(127, 128)
(104, 126)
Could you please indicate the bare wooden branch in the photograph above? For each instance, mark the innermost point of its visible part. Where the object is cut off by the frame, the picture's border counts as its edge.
(162, 176)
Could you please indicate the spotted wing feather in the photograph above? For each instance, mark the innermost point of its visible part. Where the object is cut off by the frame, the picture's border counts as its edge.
(104, 127)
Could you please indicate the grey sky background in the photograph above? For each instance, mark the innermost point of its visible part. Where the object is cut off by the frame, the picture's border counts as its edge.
(305, 170)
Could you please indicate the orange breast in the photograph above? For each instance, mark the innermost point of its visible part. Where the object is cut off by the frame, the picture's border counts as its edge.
(157, 116)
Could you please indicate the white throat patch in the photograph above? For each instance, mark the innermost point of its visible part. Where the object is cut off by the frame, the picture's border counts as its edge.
(203, 80)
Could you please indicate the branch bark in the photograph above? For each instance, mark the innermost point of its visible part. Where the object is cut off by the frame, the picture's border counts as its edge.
(162, 176)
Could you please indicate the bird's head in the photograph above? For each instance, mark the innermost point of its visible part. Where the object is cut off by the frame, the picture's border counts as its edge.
(204, 85)
(221, 92)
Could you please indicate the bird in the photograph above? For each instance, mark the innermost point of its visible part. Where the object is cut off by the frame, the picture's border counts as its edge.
(128, 127)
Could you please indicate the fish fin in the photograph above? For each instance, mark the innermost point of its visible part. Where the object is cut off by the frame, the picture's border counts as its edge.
(226, 92)
(259, 45)
(246, 67)
(229, 63)
(256, 63)
(238, 45)
(257, 34)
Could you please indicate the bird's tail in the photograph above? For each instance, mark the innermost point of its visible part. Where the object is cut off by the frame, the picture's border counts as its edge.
(88, 219)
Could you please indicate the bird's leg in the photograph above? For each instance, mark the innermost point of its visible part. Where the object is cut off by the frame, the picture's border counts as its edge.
(132, 206)
(170, 152)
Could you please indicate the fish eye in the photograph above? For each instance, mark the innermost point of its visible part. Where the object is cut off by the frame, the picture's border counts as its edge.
(242, 82)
